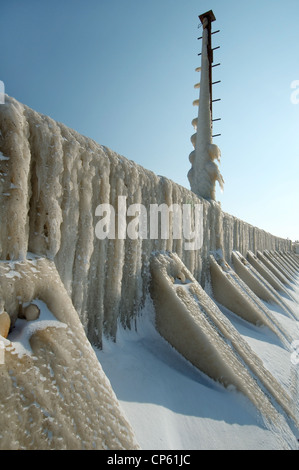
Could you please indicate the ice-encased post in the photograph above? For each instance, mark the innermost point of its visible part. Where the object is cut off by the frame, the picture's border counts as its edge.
(205, 172)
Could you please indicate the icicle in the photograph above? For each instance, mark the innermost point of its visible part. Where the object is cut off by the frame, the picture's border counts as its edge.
(61, 178)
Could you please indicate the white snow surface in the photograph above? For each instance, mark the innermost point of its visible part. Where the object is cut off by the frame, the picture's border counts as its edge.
(171, 405)
(23, 329)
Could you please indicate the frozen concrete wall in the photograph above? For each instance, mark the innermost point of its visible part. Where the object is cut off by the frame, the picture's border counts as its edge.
(53, 179)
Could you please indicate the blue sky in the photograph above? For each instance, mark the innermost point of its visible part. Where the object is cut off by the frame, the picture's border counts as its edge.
(123, 72)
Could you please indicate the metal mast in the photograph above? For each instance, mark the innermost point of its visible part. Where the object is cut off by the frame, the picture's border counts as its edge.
(204, 172)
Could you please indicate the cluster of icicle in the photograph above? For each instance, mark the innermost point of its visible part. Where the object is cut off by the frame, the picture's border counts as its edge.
(52, 180)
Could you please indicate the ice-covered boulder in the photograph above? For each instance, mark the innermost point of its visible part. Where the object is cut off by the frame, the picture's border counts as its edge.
(54, 393)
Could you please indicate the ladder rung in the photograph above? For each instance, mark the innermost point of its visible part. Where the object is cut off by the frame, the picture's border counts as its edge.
(218, 99)
(216, 135)
(218, 81)
(214, 48)
(216, 65)
(214, 32)
(218, 119)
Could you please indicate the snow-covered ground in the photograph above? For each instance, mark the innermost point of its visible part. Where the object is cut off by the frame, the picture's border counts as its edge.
(173, 406)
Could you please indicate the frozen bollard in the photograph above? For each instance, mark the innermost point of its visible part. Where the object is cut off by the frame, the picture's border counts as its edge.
(31, 312)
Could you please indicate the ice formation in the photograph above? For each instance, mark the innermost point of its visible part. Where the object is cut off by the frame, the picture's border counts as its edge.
(266, 272)
(281, 276)
(204, 171)
(257, 283)
(234, 294)
(52, 181)
(53, 394)
(193, 324)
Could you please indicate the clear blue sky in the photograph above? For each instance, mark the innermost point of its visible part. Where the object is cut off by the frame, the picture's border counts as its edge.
(122, 72)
